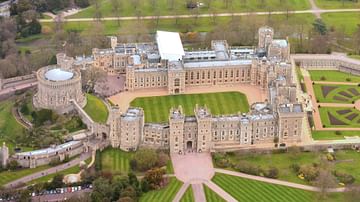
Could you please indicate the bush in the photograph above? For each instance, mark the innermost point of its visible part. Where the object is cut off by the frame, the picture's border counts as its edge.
(162, 159)
(272, 172)
(295, 167)
(344, 178)
(13, 165)
(330, 157)
(145, 159)
(248, 168)
(310, 172)
(25, 109)
(348, 79)
(54, 162)
(337, 132)
(222, 163)
(323, 78)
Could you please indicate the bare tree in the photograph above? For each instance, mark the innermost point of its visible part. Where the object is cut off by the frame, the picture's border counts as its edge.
(97, 12)
(116, 8)
(356, 38)
(324, 182)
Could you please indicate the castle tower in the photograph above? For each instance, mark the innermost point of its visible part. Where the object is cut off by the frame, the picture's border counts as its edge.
(113, 41)
(64, 61)
(176, 78)
(176, 123)
(290, 122)
(113, 121)
(131, 129)
(266, 35)
(4, 155)
(204, 118)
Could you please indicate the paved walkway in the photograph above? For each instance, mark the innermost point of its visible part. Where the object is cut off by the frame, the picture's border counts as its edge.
(336, 83)
(275, 181)
(49, 171)
(17, 87)
(316, 12)
(199, 194)
(181, 192)
(220, 191)
(253, 93)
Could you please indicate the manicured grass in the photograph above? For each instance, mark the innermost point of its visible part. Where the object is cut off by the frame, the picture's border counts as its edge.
(96, 109)
(188, 195)
(256, 191)
(187, 24)
(8, 176)
(331, 135)
(347, 161)
(163, 7)
(72, 170)
(165, 194)
(251, 190)
(337, 4)
(330, 97)
(325, 119)
(115, 161)
(169, 167)
(211, 195)
(333, 75)
(346, 22)
(354, 57)
(157, 108)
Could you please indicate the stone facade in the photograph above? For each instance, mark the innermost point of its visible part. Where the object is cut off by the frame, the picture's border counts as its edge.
(4, 155)
(58, 85)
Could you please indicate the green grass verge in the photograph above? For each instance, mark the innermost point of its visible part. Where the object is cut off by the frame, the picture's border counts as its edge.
(96, 109)
(157, 108)
(325, 119)
(345, 22)
(188, 195)
(115, 161)
(333, 75)
(72, 170)
(337, 4)
(255, 191)
(332, 135)
(8, 176)
(354, 57)
(165, 194)
(347, 160)
(186, 24)
(330, 97)
(212, 196)
(163, 7)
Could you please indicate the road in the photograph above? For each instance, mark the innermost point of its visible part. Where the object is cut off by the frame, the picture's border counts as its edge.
(316, 11)
(49, 171)
(17, 87)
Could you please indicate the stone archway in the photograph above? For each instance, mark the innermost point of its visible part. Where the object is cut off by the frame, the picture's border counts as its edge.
(189, 145)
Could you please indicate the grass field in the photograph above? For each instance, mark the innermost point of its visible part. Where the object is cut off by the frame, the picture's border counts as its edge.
(346, 123)
(212, 196)
(165, 194)
(72, 170)
(333, 75)
(335, 92)
(163, 7)
(115, 160)
(256, 191)
(331, 135)
(96, 109)
(347, 161)
(337, 4)
(157, 108)
(293, 21)
(188, 195)
(346, 22)
(8, 176)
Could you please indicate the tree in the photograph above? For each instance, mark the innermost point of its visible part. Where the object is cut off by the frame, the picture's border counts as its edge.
(154, 177)
(57, 182)
(116, 8)
(145, 159)
(324, 181)
(356, 39)
(320, 27)
(13, 165)
(101, 190)
(352, 194)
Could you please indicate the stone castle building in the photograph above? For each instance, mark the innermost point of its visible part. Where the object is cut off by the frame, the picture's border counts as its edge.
(58, 85)
(4, 155)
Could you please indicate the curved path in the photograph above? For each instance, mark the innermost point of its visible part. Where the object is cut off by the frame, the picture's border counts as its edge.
(316, 12)
(49, 171)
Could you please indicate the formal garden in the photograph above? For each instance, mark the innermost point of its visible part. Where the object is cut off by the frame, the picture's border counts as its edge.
(157, 108)
(294, 165)
(328, 93)
(340, 117)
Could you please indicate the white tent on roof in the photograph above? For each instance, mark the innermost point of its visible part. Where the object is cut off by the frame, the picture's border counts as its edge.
(169, 45)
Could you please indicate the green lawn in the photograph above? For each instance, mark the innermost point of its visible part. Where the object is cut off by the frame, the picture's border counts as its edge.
(187, 24)
(188, 195)
(331, 135)
(333, 75)
(8, 176)
(96, 109)
(334, 95)
(334, 111)
(211, 196)
(337, 4)
(157, 108)
(165, 194)
(163, 7)
(347, 162)
(354, 57)
(72, 170)
(115, 160)
(346, 22)
(256, 191)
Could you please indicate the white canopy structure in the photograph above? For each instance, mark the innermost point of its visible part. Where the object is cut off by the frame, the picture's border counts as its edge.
(169, 45)
(58, 75)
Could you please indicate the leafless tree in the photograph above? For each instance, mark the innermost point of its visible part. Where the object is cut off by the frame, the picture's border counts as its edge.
(116, 8)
